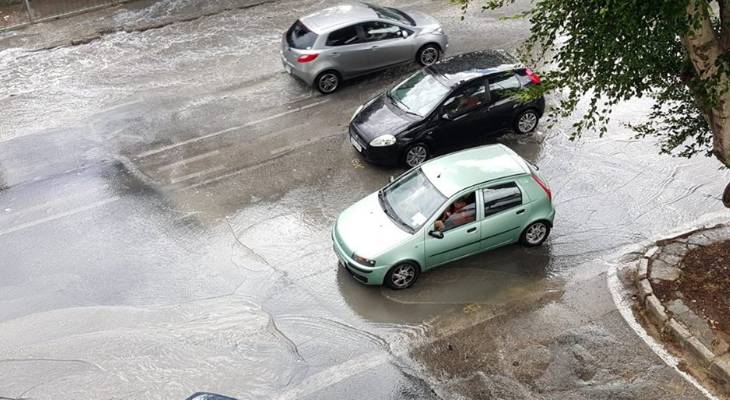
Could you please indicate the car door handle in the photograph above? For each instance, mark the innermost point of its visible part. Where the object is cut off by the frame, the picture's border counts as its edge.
(520, 211)
(470, 230)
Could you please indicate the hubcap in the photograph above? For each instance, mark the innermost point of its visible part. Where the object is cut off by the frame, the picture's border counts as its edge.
(429, 56)
(328, 82)
(416, 155)
(527, 122)
(536, 233)
(403, 275)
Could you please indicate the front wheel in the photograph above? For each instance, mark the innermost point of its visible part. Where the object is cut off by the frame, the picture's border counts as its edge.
(327, 82)
(526, 121)
(415, 154)
(402, 276)
(535, 234)
(428, 55)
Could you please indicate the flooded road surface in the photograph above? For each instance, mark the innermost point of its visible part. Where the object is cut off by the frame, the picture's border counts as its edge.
(166, 200)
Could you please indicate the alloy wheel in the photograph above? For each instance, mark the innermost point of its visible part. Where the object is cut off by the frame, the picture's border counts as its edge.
(527, 122)
(403, 275)
(416, 155)
(429, 55)
(536, 233)
(328, 82)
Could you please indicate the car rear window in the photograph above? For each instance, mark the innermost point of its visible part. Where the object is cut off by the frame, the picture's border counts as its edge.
(300, 37)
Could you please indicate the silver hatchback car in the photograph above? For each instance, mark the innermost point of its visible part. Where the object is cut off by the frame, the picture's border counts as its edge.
(352, 39)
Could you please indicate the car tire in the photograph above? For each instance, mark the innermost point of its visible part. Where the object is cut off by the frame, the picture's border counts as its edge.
(526, 121)
(535, 234)
(428, 54)
(328, 82)
(416, 154)
(402, 276)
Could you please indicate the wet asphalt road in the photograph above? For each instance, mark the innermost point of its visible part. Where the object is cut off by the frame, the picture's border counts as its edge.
(166, 199)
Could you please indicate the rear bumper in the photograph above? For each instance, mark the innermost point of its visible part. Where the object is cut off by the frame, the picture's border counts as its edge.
(304, 75)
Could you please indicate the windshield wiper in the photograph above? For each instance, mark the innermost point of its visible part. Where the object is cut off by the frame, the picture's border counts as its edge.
(392, 215)
(401, 105)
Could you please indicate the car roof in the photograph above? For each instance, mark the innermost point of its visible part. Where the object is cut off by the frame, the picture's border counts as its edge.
(455, 172)
(464, 67)
(340, 15)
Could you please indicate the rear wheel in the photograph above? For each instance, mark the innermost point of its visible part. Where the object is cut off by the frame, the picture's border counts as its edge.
(327, 82)
(428, 54)
(526, 121)
(535, 234)
(402, 276)
(415, 154)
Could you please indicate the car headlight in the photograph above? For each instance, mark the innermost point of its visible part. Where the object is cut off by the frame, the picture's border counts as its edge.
(363, 260)
(381, 141)
(356, 111)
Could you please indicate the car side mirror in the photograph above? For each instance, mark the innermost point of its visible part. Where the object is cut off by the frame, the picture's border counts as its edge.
(446, 116)
(404, 34)
(436, 234)
(392, 178)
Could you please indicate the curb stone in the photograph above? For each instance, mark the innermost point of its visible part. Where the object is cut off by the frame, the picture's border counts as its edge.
(720, 369)
(715, 358)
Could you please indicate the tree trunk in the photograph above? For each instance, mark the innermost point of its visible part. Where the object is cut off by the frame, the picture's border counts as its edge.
(703, 48)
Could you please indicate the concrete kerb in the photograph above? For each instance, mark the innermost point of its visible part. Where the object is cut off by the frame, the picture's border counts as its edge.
(717, 364)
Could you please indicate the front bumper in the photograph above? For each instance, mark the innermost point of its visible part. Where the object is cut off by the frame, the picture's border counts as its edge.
(386, 155)
(368, 276)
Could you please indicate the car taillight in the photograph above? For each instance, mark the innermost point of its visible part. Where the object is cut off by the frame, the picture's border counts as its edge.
(544, 187)
(535, 78)
(305, 58)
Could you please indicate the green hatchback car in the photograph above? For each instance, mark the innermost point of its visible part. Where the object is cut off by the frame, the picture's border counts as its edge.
(445, 209)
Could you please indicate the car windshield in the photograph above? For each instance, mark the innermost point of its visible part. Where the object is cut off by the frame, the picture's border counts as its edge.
(392, 14)
(411, 200)
(419, 94)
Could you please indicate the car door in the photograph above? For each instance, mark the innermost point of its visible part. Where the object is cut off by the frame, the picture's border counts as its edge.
(506, 209)
(459, 227)
(502, 104)
(459, 117)
(347, 50)
(389, 43)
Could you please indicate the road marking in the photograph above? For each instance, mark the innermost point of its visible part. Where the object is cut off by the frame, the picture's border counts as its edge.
(20, 211)
(196, 174)
(58, 216)
(335, 374)
(185, 161)
(224, 131)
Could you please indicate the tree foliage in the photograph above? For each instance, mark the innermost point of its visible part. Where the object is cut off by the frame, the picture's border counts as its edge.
(607, 51)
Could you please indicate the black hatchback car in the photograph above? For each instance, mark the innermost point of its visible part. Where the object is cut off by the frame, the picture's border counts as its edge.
(450, 105)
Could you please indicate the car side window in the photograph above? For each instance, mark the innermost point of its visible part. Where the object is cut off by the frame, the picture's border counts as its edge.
(461, 212)
(503, 86)
(501, 197)
(343, 36)
(375, 30)
(468, 98)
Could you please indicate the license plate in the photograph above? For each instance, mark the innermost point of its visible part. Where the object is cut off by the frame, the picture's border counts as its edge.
(356, 144)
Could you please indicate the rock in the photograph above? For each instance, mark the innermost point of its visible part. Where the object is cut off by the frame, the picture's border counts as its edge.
(663, 271)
